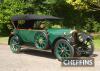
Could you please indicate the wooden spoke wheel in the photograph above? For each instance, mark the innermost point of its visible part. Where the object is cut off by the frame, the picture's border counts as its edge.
(85, 48)
(15, 44)
(85, 45)
(63, 49)
(41, 40)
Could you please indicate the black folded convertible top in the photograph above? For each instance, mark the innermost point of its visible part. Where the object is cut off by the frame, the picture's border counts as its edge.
(34, 17)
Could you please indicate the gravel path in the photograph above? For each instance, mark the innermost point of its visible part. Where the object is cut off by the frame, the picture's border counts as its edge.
(33, 60)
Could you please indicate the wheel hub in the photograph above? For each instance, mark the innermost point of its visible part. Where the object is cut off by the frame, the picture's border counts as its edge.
(62, 50)
(40, 40)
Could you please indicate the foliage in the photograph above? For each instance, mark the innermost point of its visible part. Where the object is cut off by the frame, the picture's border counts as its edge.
(7, 9)
(56, 26)
(82, 14)
(92, 25)
(89, 14)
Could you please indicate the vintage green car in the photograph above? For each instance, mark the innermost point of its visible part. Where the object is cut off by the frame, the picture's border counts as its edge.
(29, 30)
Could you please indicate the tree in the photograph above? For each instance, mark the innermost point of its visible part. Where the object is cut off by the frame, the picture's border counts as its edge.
(8, 9)
(74, 12)
(89, 10)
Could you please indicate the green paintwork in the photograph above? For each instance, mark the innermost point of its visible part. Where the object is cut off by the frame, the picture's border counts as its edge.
(27, 36)
(56, 33)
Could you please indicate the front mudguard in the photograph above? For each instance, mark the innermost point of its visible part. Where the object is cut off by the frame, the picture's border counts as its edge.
(85, 36)
(12, 36)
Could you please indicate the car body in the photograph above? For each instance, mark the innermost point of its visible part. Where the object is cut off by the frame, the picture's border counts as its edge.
(63, 42)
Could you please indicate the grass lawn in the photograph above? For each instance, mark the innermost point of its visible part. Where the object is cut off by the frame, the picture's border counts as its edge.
(97, 44)
(4, 40)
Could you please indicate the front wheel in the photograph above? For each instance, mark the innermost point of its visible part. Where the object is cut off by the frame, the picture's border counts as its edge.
(86, 48)
(15, 44)
(63, 49)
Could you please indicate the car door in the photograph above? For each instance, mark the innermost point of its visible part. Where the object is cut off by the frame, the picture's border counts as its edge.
(25, 31)
(26, 35)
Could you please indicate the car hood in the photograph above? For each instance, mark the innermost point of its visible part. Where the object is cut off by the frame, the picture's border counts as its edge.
(59, 31)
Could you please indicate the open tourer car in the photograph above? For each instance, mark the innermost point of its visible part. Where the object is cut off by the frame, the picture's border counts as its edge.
(29, 30)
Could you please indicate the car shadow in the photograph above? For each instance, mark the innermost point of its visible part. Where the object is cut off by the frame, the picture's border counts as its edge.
(43, 53)
(94, 55)
(38, 53)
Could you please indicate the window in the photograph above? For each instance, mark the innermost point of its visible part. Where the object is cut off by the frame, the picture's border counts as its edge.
(22, 24)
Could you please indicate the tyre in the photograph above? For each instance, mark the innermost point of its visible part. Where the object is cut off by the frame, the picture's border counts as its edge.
(15, 44)
(63, 49)
(41, 41)
(85, 48)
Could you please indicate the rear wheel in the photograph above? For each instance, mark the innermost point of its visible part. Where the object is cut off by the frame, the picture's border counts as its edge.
(63, 49)
(41, 40)
(15, 44)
